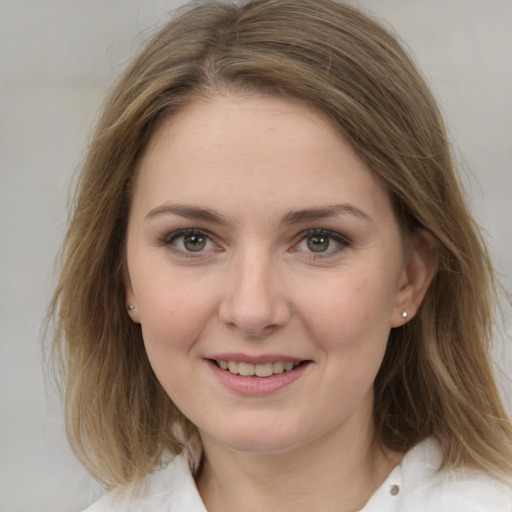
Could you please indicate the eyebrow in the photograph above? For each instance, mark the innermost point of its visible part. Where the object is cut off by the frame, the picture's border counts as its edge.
(292, 217)
(312, 214)
(188, 212)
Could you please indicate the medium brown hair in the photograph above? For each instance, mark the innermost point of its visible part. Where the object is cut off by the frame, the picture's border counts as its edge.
(436, 378)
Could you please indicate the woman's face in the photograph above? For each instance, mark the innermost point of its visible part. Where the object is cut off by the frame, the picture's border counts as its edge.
(260, 242)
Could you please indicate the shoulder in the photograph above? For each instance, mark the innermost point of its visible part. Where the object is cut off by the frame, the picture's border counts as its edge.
(171, 488)
(424, 488)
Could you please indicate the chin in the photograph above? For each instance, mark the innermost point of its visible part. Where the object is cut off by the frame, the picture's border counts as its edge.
(262, 440)
(263, 445)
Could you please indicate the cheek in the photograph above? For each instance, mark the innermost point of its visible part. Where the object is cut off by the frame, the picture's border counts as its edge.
(350, 318)
(173, 313)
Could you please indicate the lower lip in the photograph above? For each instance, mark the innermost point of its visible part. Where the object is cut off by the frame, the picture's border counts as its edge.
(255, 386)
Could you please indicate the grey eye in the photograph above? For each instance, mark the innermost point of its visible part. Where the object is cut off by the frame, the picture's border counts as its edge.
(194, 242)
(318, 243)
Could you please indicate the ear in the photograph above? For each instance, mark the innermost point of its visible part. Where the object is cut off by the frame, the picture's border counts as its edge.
(130, 300)
(417, 274)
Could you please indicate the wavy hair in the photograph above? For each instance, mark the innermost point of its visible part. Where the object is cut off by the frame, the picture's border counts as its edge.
(436, 378)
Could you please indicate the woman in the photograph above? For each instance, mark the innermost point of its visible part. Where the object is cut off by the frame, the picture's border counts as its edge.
(272, 291)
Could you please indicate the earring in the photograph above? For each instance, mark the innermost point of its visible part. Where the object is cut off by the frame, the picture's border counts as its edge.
(131, 307)
(405, 314)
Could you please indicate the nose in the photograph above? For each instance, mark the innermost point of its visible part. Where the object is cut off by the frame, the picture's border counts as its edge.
(254, 300)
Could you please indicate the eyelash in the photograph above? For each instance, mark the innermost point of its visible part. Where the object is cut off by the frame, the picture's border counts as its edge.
(171, 238)
(340, 239)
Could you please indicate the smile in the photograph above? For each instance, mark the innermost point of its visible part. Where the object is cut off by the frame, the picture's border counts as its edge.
(257, 375)
(258, 370)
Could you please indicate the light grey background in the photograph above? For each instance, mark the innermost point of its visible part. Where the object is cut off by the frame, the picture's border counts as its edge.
(58, 57)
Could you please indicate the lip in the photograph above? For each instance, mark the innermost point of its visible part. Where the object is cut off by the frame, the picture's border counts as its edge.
(259, 359)
(257, 386)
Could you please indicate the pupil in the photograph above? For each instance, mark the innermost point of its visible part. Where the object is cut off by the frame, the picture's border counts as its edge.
(318, 243)
(194, 243)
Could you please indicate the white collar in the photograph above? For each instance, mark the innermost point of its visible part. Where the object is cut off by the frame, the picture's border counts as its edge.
(413, 486)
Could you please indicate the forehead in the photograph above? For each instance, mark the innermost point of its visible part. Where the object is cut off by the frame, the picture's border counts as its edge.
(248, 149)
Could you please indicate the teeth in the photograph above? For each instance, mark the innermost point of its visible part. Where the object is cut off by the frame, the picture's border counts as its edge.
(278, 367)
(245, 369)
(264, 370)
(259, 370)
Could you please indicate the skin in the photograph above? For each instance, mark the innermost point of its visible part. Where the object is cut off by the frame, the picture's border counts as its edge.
(260, 287)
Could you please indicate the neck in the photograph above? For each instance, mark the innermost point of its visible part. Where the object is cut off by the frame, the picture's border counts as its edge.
(328, 474)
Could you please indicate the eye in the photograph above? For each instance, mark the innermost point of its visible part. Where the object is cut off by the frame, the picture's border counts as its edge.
(194, 243)
(318, 243)
(190, 241)
(321, 242)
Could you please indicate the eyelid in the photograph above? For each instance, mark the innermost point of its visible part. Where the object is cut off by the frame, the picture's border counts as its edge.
(168, 239)
(171, 236)
(343, 240)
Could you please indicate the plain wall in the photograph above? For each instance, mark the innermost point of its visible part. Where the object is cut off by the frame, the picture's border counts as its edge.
(58, 57)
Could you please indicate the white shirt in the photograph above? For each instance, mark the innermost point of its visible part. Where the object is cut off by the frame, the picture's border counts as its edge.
(413, 486)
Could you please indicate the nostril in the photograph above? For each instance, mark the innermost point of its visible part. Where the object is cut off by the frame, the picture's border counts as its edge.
(255, 319)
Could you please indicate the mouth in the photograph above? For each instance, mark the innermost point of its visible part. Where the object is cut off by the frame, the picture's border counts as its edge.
(267, 369)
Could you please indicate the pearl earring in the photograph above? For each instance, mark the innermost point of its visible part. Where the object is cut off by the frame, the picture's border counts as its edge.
(131, 307)
(405, 314)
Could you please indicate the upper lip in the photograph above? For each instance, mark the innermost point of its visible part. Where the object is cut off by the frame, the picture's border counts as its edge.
(258, 359)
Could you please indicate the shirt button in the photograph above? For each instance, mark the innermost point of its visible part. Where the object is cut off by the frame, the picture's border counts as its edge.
(394, 490)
